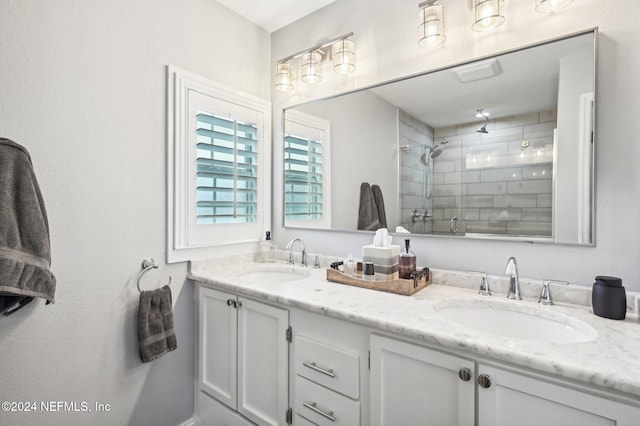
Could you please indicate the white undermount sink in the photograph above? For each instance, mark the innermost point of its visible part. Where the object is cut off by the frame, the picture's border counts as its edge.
(508, 319)
(271, 273)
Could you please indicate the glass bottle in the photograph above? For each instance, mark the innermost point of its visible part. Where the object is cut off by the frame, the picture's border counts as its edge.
(268, 249)
(407, 261)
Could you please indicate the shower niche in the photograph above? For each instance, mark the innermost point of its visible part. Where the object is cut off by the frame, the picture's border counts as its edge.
(497, 148)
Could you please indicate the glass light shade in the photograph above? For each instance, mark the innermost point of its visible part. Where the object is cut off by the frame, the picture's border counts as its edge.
(430, 26)
(344, 56)
(548, 6)
(312, 67)
(487, 15)
(284, 77)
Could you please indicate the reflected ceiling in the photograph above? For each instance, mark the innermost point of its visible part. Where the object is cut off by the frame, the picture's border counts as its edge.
(449, 101)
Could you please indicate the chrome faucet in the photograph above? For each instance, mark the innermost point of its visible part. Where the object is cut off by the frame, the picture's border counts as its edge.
(303, 260)
(514, 283)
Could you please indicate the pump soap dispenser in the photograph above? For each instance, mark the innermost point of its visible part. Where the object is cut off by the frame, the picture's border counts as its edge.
(268, 249)
(407, 261)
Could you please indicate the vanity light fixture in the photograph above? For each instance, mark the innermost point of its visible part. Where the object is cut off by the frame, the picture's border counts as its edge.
(340, 50)
(344, 56)
(430, 24)
(487, 14)
(312, 67)
(284, 77)
(548, 6)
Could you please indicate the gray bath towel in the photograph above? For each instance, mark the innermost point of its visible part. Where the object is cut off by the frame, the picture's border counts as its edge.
(377, 198)
(155, 324)
(25, 253)
(367, 212)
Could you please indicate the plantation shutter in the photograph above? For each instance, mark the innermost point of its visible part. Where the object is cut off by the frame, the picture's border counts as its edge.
(303, 179)
(227, 170)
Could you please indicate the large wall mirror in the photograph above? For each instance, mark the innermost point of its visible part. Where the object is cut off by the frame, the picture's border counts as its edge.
(499, 148)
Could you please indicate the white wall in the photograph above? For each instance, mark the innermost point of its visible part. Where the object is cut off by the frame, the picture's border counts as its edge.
(575, 80)
(360, 124)
(386, 44)
(82, 86)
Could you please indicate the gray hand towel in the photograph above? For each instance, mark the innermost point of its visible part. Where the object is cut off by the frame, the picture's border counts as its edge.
(367, 212)
(155, 324)
(25, 252)
(377, 198)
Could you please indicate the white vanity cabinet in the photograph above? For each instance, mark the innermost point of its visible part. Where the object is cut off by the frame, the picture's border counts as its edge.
(242, 360)
(413, 385)
(329, 371)
(507, 398)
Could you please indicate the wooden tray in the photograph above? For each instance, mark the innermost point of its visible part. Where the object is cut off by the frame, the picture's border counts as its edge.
(398, 286)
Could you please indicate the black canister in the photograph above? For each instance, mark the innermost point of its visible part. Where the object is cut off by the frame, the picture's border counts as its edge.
(608, 298)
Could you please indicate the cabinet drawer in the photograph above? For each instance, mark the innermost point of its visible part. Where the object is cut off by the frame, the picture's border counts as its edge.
(328, 366)
(323, 406)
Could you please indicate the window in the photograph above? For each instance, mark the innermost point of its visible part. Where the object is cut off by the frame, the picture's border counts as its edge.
(218, 166)
(227, 170)
(306, 171)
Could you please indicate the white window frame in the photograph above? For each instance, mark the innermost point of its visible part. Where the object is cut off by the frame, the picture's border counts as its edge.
(187, 240)
(307, 124)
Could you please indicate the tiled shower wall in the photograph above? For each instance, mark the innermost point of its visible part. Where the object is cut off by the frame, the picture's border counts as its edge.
(510, 192)
(413, 136)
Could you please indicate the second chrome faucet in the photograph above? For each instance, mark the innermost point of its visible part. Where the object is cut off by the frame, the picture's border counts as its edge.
(303, 258)
(514, 280)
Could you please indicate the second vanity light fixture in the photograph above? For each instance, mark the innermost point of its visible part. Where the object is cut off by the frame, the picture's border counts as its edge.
(487, 14)
(548, 6)
(430, 24)
(342, 54)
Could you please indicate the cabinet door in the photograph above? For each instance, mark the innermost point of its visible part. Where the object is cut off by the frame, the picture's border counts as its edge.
(412, 385)
(263, 359)
(217, 327)
(514, 399)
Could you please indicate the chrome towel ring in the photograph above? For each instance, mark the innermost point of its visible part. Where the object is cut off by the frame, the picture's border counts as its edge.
(148, 263)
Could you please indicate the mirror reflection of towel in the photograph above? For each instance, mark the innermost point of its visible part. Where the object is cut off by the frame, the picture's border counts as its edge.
(379, 200)
(371, 214)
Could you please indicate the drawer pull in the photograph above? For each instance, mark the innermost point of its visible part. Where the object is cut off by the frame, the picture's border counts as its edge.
(312, 365)
(312, 406)
(484, 381)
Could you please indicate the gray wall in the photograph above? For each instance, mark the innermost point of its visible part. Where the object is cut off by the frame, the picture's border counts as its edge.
(82, 86)
(360, 124)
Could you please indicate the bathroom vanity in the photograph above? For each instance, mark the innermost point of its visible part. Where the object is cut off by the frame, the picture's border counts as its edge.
(280, 344)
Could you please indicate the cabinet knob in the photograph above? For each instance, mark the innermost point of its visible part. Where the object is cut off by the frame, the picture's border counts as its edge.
(464, 374)
(230, 302)
(484, 381)
(239, 303)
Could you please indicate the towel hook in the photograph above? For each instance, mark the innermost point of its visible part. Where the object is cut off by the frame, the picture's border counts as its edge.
(148, 263)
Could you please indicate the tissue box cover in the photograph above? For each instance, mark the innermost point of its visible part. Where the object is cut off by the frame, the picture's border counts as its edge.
(382, 261)
(376, 251)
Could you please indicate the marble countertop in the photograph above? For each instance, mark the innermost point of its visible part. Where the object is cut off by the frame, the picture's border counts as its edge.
(610, 361)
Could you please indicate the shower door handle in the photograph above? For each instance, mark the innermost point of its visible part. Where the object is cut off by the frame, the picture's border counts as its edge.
(453, 225)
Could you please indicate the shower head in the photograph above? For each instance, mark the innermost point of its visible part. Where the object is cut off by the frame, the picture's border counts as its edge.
(432, 152)
(481, 113)
(442, 142)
